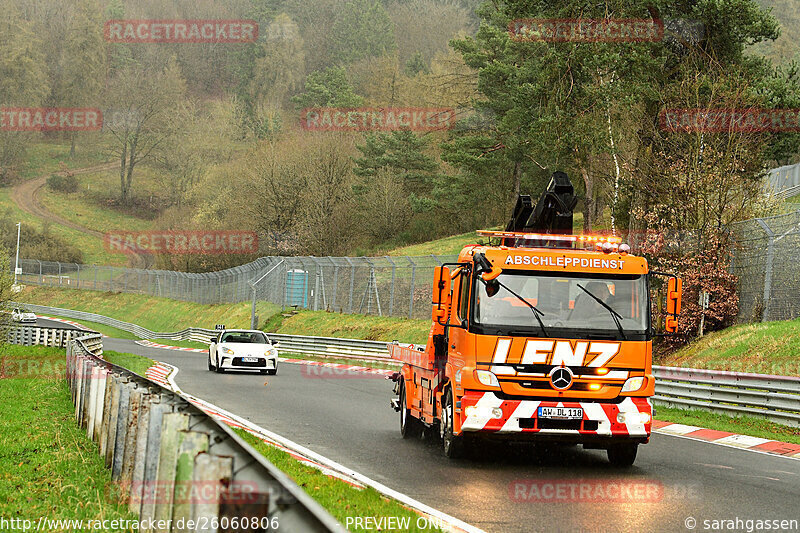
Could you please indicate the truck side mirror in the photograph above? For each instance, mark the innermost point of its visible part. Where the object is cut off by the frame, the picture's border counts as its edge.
(441, 292)
(484, 267)
(674, 290)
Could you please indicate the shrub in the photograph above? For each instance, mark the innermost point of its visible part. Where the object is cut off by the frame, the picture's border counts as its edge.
(63, 183)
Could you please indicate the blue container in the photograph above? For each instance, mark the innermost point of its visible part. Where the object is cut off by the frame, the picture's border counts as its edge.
(297, 288)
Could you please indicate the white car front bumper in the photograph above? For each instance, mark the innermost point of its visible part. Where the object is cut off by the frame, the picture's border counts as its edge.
(236, 362)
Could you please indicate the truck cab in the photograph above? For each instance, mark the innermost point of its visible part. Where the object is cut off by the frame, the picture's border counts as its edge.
(542, 337)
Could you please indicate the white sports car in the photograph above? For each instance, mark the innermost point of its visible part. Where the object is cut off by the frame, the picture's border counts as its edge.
(23, 315)
(242, 349)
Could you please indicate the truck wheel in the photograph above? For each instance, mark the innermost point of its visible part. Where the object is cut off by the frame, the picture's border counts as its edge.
(452, 445)
(622, 454)
(410, 426)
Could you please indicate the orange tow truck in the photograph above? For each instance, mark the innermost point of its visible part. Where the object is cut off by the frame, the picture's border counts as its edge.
(546, 336)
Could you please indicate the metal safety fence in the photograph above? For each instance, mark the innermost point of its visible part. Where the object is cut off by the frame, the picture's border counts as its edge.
(384, 286)
(766, 260)
(172, 464)
(784, 182)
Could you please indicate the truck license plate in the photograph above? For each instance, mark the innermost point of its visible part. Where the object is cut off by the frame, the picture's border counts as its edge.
(250, 359)
(566, 413)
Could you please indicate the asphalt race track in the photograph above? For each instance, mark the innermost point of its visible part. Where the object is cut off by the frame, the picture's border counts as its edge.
(349, 420)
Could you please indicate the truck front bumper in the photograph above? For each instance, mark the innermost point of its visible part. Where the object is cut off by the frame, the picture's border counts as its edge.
(485, 412)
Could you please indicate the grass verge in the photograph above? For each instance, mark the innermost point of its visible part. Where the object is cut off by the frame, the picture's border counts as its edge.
(154, 313)
(763, 348)
(105, 330)
(745, 425)
(340, 499)
(90, 207)
(325, 324)
(48, 467)
(135, 363)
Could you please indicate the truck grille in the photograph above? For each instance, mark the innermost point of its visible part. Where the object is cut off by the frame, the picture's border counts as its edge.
(549, 423)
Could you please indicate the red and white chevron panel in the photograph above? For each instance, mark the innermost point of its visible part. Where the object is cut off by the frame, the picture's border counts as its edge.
(160, 374)
(605, 414)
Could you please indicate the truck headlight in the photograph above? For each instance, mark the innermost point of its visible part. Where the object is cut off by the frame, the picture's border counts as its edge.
(487, 378)
(227, 350)
(633, 384)
(633, 418)
(483, 412)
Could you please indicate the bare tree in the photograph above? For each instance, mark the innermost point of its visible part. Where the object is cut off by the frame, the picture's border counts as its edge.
(148, 99)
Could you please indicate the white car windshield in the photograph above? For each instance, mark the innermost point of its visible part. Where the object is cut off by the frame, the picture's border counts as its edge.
(245, 337)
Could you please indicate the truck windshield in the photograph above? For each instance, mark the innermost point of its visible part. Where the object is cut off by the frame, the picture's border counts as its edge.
(567, 308)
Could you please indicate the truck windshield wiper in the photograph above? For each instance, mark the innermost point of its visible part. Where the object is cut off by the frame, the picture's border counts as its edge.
(536, 311)
(616, 316)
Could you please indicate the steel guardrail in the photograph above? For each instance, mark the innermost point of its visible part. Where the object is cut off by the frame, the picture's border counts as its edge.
(26, 335)
(155, 441)
(776, 398)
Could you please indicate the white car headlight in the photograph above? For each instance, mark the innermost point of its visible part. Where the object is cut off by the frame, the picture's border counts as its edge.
(227, 350)
(633, 384)
(485, 377)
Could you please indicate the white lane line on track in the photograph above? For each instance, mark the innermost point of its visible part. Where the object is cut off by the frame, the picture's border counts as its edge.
(441, 519)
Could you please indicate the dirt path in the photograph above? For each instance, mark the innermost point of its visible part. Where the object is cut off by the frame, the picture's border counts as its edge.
(26, 196)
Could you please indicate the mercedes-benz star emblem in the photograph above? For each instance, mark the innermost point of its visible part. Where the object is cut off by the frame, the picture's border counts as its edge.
(561, 378)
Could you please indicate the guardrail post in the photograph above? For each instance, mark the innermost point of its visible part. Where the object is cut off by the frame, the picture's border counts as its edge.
(80, 382)
(186, 490)
(122, 428)
(158, 408)
(217, 471)
(116, 393)
(173, 427)
(100, 404)
(92, 403)
(140, 454)
(131, 438)
(107, 403)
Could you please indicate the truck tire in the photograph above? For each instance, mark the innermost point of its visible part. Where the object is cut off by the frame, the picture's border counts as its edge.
(453, 446)
(410, 426)
(622, 454)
